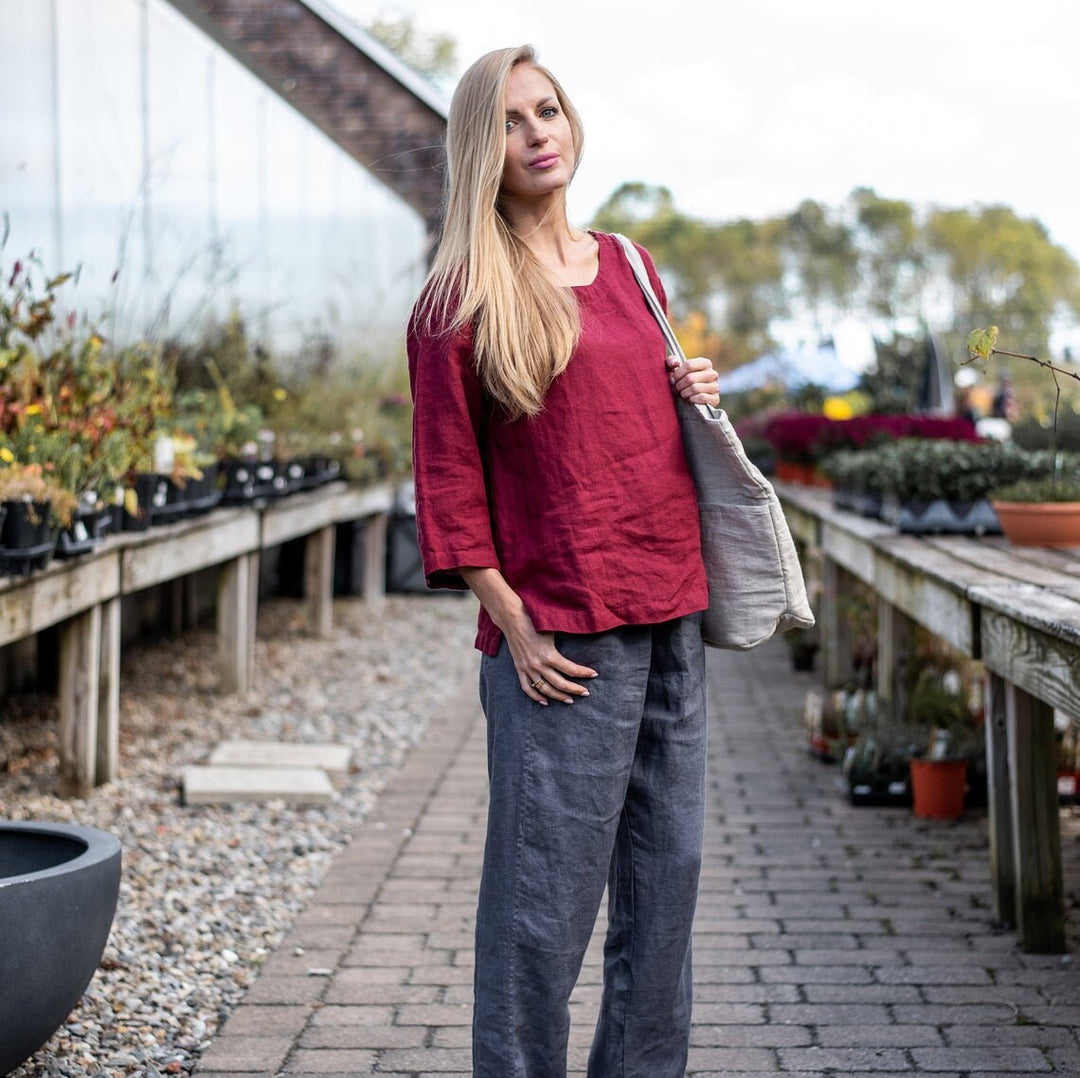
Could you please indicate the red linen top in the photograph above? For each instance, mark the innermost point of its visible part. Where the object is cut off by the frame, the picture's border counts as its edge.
(588, 509)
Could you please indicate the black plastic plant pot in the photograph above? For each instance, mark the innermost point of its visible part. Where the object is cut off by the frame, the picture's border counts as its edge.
(204, 494)
(151, 494)
(83, 534)
(251, 481)
(58, 889)
(25, 526)
(27, 537)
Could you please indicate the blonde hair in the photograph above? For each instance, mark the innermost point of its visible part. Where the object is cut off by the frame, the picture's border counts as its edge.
(525, 326)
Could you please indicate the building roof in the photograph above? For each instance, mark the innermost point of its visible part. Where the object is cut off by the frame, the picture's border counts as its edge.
(350, 86)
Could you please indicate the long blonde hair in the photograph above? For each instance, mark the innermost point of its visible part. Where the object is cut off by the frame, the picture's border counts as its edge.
(525, 326)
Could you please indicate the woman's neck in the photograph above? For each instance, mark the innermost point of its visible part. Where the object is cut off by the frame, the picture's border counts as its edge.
(567, 253)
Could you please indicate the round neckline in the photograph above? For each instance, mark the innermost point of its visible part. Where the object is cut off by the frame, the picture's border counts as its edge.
(599, 257)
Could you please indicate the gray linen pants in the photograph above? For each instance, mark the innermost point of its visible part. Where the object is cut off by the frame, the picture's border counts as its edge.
(608, 790)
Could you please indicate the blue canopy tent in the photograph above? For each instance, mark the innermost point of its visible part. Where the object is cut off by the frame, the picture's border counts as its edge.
(793, 368)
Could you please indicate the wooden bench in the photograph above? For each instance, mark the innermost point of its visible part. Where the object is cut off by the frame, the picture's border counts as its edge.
(83, 597)
(1017, 611)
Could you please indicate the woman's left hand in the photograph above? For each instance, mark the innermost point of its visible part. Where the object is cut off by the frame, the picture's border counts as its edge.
(695, 380)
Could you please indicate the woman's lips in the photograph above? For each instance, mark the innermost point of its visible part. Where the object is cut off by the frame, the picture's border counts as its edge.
(544, 161)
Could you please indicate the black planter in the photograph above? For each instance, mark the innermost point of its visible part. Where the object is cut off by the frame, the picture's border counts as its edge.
(203, 494)
(27, 537)
(941, 517)
(318, 471)
(83, 534)
(249, 481)
(58, 889)
(152, 495)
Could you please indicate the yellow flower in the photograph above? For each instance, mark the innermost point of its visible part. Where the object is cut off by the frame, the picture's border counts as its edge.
(6, 455)
(280, 394)
(33, 409)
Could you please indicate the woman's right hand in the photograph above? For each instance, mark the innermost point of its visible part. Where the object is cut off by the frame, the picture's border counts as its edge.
(544, 673)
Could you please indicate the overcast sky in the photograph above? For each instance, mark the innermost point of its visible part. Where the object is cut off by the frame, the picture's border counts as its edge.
(744, 107)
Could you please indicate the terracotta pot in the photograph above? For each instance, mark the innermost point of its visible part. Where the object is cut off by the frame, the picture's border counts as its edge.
(937, 788)
(1050, 524)
(792, 472)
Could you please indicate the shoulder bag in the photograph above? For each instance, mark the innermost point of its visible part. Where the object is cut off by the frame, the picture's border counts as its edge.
(756, 585)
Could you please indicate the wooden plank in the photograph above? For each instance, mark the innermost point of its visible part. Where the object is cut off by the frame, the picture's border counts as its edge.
(999, 806)
(375, 558)
(80, 658)
(299, 515)
(235, 625)
(1035, 607)
(184, 549)
(836, 640)
(934, 601)
(937, 557)
(60, 592)
(1036, 662)
(848, 550)
(896, 645)
(1040, 903)
(355, 503)
(1008, 563)
(805, 525)
(107, 765)
(319, 581)
(252, 560)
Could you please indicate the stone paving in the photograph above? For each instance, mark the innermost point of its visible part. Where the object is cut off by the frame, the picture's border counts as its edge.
(830, 939)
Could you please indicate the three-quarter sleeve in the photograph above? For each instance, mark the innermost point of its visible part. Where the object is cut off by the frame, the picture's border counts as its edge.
(453, 520)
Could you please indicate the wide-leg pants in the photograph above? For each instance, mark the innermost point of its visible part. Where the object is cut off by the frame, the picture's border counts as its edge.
(608, 790)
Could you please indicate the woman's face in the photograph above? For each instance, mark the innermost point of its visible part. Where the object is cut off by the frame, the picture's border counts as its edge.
(539, 143)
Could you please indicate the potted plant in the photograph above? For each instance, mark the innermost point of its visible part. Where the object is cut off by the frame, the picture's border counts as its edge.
(876, 765)
(939, 704)
(1040, 512)
(1043, 508)
(794, 438)
(930, 485)
(35, 506)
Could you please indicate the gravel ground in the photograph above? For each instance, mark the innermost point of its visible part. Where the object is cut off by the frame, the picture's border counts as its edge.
(209, 891)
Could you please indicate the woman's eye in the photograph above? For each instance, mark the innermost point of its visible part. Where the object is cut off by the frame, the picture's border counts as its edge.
(549, 112)
(509, 126)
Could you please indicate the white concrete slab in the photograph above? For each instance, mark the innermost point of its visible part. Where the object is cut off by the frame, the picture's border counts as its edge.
(222, 785)
(334, 758)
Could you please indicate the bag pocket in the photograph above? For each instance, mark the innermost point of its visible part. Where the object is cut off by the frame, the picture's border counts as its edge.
(747, 595)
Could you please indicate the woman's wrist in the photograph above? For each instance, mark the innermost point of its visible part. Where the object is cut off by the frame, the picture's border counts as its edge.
(502, 603)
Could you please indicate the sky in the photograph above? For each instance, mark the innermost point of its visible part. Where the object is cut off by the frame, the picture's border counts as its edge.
(745, 107)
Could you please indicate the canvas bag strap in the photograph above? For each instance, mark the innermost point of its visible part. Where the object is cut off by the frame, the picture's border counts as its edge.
(633, 256)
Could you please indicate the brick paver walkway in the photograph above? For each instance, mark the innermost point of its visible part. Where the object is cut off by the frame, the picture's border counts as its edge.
(830, 940)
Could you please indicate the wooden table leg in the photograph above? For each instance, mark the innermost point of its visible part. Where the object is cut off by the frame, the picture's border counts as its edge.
(319, 581)
(896, 645)
(80, 664)
(1040, 904)
(836, 639)
(375, 557)
(999, 803)
(238, 589)
(108, 731)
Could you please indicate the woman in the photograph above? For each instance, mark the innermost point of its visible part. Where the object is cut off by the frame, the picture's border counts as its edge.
(551, 480)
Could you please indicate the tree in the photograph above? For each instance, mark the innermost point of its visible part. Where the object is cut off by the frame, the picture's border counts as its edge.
(892, 268)
(747, 281)
(726, 278)
(433, 55)
(1004, 269)
(821, 253)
